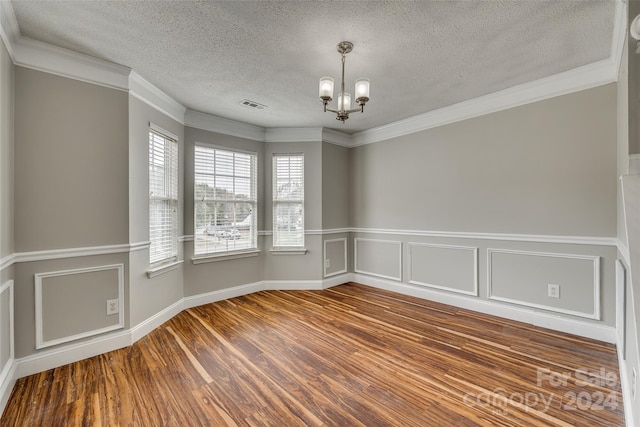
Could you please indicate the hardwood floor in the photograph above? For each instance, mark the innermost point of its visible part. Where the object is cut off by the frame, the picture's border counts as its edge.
(346, 356)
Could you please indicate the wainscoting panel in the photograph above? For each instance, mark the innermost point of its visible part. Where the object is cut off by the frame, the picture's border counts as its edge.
(335, 257)
(381, 258)
(72, 304)
(523, 278)
(450, 268)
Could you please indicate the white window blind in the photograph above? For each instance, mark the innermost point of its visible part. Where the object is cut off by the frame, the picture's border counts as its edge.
(163, 197)
(225, 201)
(288, 200)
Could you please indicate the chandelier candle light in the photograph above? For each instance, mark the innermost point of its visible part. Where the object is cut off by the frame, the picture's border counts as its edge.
(344, 98)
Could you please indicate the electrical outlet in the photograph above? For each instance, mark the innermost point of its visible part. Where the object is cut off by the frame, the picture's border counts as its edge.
(634, 383)
(327, 263)
(112, 306)
(554, 291)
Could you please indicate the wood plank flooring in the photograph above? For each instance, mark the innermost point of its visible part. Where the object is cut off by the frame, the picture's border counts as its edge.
(346, 356)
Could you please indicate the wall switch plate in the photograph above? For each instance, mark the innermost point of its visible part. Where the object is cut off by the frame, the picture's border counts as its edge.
(327, 263)
(554, 291)
(112, 306)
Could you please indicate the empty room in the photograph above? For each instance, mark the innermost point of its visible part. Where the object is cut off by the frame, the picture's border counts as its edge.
(312, 213)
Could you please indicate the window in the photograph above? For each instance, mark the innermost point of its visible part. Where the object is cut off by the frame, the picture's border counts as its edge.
(225, 201)
(288, 200)
(163, 197)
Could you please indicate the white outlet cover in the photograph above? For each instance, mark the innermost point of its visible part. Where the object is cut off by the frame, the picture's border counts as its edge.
(112, 306)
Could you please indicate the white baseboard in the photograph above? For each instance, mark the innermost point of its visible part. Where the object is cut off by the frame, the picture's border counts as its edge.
(6, 387)
(148, 325)
(46, 360)
(293, 285)
(626, 389)
(531, 316)
(222, 294)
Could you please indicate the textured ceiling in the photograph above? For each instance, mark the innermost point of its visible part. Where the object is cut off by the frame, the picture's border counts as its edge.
(419, 55)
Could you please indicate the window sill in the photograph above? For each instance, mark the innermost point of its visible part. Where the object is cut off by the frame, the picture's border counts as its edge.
(288, 251)
(161, 269)
(224, 256)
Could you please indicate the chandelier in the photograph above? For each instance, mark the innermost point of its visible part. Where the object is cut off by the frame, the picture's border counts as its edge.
(344, 98)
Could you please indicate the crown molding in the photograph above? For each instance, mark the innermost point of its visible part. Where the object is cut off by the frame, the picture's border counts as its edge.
(620, 25)
(217, 124)
(67, 63)
(293, 134)
(581, 78)
(9, 30)
(336, 137)
(150, 94)
(44, 57)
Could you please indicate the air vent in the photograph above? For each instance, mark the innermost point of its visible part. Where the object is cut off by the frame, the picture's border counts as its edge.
(252, 104)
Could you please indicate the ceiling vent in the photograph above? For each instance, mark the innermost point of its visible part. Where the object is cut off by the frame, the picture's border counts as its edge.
(252, 104)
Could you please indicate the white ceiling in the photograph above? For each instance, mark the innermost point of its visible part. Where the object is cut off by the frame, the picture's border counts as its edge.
(419, 55)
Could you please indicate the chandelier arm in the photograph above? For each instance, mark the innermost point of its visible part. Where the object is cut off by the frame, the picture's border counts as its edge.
(334, 111)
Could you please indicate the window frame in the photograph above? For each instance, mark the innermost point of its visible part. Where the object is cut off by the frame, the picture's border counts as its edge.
(252, 248)
(171, 195)
(276, 201)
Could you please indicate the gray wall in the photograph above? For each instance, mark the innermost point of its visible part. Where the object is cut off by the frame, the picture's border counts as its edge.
(7, 75)
(6, 152)
(71, 192)
(633, 60)
(71, 163)
(218, 275)
(306, 266)
(546, 168)
(148, 296)
(335, 186)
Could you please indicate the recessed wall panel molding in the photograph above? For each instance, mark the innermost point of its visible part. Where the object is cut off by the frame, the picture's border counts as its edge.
(446, 267)
(6, 330)
(335, 257)
(381, 258)
(78, 303)
(563, 283)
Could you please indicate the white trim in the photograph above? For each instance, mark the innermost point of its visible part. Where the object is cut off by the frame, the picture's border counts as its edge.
(222, 294)
(293, 285)
(355, 258)
(621, 307)
(49, 359)
(6, 387)
(164, 268)
(581, 78)
(335, 137)
(7, 261)
(75, 252)
(473, 249)
(40, 342)
(155, 128)
(148, 325)
(619, 34)
(224, 126)
(9, 30)
(312, 134)
(595, 315)
(634, 156)
(67, 63)
(627, 400)
(324, 257)
(5, 371)
(153, 96)
(139, 246)
(201, 259)
(288, 251)
(538, 238)
(584, 328)
(624, 251)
